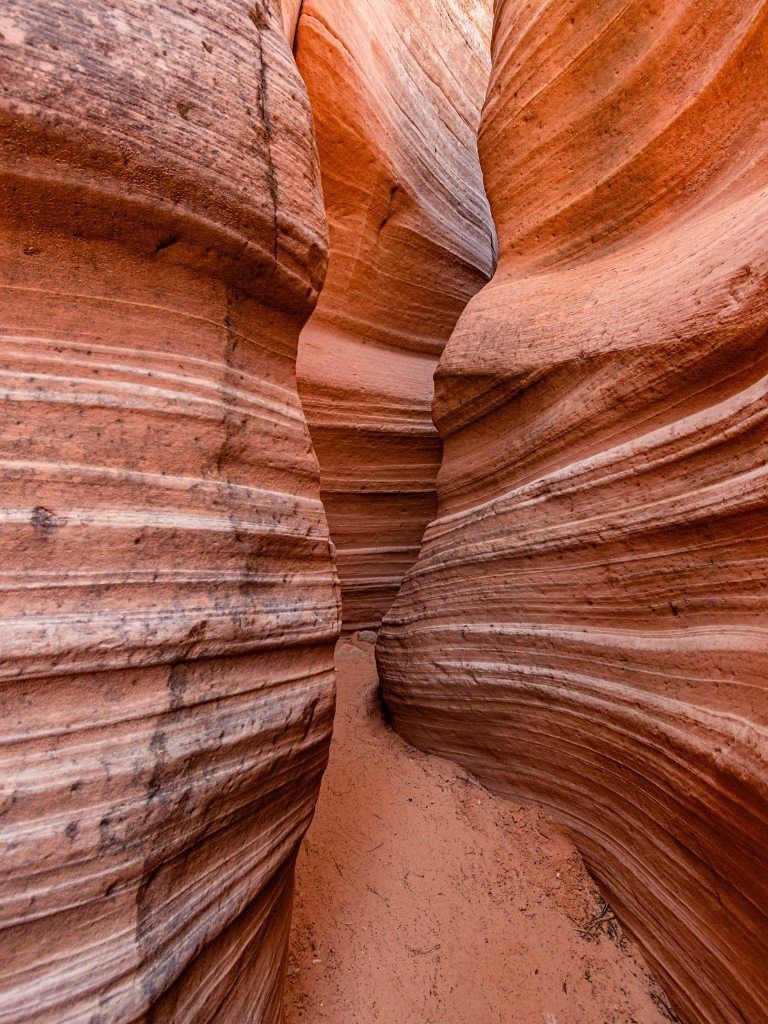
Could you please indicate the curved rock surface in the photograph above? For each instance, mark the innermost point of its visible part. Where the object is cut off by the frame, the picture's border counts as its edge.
(168, 604)
(396, 89)
(585, 626)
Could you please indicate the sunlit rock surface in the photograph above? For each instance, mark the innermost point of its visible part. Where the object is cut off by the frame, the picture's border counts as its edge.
(586, 624)
(167, 602)
(396, 89)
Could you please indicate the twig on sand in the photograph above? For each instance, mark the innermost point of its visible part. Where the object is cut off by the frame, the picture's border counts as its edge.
(376, 893)
(473, 782)
(661, 1001)
(605, 917)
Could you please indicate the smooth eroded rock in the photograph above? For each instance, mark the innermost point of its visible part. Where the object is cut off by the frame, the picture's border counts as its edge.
(585, 625)
(168, 604)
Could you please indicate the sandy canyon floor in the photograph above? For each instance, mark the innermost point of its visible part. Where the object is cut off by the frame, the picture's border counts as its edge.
(423, 899)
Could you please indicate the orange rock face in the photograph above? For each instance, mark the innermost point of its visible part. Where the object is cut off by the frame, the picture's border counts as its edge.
(168, 601)
(585, 626)
(396, 90)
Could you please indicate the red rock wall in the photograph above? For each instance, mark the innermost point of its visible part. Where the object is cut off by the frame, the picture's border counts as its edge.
(396, 90)
(585, 626)
(168, 605)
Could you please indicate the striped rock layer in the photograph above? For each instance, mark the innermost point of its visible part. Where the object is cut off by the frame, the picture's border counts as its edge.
(586, 624)
(396, 89)
(167, 601)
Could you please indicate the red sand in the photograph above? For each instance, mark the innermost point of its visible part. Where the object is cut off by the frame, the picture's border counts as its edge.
(423, 899)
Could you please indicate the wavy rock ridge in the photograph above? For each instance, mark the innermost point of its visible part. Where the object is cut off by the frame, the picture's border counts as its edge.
(168, 602)
(396, 90)
(585, 626)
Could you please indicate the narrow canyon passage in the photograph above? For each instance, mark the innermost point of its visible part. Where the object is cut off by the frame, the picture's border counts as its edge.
(421, 898)
(445, 319)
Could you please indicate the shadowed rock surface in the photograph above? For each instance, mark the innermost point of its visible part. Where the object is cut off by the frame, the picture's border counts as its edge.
(168, 602)
(585, 626)
(396, 89)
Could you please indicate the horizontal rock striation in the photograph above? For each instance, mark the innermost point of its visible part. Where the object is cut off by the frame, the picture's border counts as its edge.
(396, 90)
(168, 605)
(586, 624)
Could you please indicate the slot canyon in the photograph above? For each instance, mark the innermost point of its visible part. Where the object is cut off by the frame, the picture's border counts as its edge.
(382, 460)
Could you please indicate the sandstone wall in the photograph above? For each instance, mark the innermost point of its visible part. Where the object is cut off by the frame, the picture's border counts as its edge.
(167, 602)
(586, 624)
(396, 90)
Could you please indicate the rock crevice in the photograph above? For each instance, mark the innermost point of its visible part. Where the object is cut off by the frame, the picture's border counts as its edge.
(396, 91)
